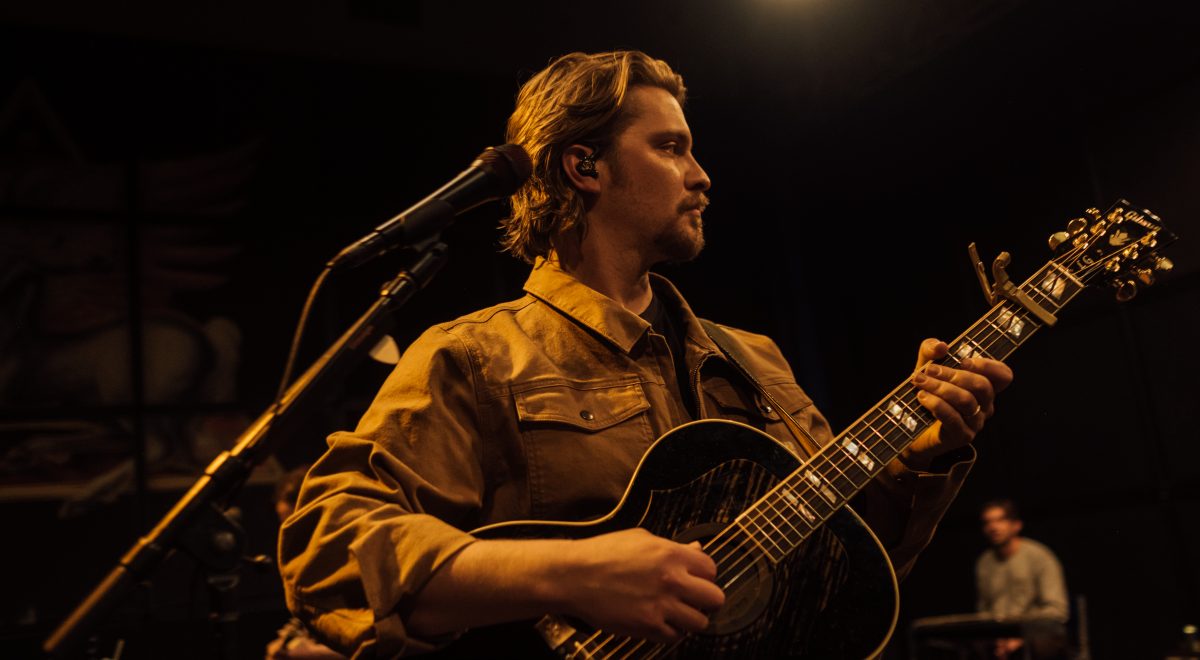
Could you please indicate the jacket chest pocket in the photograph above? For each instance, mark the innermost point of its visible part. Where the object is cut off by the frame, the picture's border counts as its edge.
(582, 442)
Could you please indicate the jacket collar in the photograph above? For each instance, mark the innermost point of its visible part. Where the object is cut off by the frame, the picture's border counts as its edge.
(603, 315)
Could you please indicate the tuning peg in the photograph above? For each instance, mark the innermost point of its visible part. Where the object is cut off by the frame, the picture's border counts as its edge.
(1058, 238)
(1163, 264)
(1145, 276)
(1126, 290)
(1077, 225)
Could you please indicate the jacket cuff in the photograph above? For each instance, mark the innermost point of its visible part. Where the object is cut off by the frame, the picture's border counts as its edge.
(927, 494)
(401, 559)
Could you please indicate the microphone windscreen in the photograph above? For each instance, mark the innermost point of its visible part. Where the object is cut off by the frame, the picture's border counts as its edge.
(509, 164)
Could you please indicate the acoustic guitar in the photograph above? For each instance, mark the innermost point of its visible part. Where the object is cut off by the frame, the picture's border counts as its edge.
(803, 576)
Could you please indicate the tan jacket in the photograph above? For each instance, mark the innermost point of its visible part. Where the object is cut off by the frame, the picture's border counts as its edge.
(536, 408)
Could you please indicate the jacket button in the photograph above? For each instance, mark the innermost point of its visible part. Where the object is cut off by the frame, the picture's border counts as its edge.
(587, 415)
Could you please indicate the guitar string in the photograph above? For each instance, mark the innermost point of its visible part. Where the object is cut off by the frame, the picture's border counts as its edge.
(993, 334)
(869, 422)
(844, 457)
(990, 337)
(1007, 321)
(623, 641)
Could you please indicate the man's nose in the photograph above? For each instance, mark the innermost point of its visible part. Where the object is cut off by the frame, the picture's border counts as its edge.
(697, 178)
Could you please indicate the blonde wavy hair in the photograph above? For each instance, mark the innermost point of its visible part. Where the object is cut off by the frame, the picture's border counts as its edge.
(577, 99)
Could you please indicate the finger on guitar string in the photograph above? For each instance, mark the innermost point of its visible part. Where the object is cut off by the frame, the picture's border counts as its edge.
(966, 393)
(950, 417)
(997, 373)
(931, 349)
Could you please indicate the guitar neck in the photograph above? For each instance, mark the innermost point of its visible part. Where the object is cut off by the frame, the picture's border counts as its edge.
(789, 513)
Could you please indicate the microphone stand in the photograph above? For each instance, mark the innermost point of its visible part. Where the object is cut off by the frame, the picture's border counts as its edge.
(198, 523)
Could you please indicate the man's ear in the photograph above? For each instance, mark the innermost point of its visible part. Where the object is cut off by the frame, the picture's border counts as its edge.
(579, 164)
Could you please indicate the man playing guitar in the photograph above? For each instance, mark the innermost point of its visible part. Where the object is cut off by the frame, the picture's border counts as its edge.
(541, 408)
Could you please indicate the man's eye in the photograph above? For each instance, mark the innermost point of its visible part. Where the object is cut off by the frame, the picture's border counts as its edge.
(673, 147)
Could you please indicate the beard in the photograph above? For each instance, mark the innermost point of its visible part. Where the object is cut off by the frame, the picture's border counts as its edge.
(683, 241)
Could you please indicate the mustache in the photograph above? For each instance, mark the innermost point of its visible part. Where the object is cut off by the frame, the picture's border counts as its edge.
(697, 202)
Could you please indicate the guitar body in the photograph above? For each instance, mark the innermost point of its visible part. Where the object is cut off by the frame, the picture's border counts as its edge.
(835, 596)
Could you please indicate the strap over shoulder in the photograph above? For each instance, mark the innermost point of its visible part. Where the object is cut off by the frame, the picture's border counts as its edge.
(733, 353)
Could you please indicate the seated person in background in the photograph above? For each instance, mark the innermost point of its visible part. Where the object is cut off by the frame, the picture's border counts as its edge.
(1019, 577)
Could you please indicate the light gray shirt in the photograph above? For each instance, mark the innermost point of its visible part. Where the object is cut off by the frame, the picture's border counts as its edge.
(1029, 583)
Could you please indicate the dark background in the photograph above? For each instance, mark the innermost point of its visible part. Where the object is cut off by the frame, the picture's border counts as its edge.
(855, 149)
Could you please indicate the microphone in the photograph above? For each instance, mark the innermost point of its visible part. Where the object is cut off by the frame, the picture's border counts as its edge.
(496, 173)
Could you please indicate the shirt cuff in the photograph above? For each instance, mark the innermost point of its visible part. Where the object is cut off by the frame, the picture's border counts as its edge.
(403, 558)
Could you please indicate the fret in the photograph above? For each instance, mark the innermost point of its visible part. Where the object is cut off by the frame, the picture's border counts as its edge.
(772, 534)
(968, 349)
(810, 509)
(820, 486)
(1052, 286)
(808, 493)
(895, 434)
(817, 505)
(1068, 276)
(787, 533)
(822, 464)
(1011, 324)
(760, 539)
(1042, 298)
(908, 399)
(951, 360)
(999, 342)
(1001, 332)
(858, 453)
(1016, 324)
(855, 460)
(1056, 285)
(782, 519)
(838, 486)
(801, 502)
(802, 514)
(903, 418)
(881, 436)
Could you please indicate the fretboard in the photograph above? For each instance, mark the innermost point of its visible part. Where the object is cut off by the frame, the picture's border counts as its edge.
(799, 504)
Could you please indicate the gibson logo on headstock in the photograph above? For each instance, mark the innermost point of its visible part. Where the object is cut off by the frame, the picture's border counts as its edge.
(1140, 219)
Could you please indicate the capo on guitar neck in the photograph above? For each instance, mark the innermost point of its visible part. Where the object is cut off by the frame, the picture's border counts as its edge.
(1004, 287)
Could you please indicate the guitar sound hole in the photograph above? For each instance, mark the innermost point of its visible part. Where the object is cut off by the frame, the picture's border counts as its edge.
(747, 588)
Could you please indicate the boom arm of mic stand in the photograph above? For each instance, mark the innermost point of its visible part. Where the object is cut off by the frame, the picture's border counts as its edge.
(225, 475)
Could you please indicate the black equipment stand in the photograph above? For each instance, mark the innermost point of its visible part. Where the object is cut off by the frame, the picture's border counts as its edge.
(198, 523)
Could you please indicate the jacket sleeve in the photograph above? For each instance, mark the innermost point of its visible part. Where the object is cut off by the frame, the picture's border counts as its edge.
(368, 530)
(903, 506)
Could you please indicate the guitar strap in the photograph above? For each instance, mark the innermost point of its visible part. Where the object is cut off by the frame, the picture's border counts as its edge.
(734, 354)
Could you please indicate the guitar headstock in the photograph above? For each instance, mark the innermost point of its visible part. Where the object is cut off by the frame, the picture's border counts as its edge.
(1119, 247)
